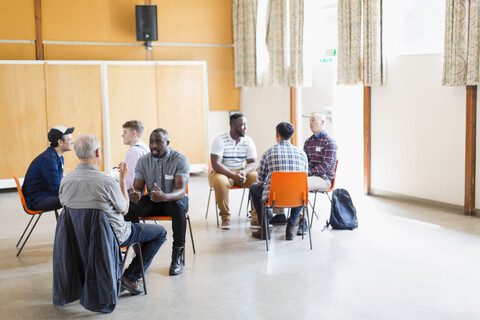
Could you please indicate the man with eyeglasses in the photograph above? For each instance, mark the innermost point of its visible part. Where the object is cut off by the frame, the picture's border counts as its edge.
(165, 173)
(44, 174)
(86, 187)
(234, 159)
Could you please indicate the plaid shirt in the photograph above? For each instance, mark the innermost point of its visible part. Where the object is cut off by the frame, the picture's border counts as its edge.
(281, 157)
(321, 151)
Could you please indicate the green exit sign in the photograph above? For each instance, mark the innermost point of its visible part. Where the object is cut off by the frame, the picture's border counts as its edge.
(331, 52)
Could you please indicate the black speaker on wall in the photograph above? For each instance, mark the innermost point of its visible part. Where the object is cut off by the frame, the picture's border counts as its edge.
(146, 20)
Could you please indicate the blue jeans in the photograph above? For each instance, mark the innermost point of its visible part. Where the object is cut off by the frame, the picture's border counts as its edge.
(256, 195)
(48, 203)
(151, 238)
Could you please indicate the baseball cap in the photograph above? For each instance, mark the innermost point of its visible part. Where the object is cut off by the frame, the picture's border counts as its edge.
(57, 132)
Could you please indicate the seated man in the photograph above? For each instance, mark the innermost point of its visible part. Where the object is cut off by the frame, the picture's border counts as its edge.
(229, 153)
(132, 133)
(43, 177)
(165, 173)
(321, 151)
(88, 188)
(283, 157)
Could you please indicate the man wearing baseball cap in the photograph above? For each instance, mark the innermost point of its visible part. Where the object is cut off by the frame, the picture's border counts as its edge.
(42, 180)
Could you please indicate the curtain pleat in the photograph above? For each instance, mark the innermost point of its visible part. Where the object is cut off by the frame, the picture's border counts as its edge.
(295, 78)
(349, 41)
(244, 17)
(373, 71)
(275, 40)
(473, 70)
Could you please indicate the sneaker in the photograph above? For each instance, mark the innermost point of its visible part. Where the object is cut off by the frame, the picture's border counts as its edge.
(135, 287)
(302, 225)
(258, 234)
(226, 224)
(279, 219)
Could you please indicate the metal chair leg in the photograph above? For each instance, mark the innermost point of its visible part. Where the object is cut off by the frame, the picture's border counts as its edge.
(309, 229)
(208, 203)
(191, 234)
(28, 236)
(24, 231)
(241, 202)
(265, 226)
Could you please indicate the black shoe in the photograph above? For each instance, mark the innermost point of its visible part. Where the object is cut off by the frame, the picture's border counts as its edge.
(302, 225)
(279, 219)
(135, 287)
(176, 267)
(290, 232)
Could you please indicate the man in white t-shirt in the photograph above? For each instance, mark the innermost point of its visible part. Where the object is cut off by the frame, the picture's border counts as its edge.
(234, 160)
(132, 132)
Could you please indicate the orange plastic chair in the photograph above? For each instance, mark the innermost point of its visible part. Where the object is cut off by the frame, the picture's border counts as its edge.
(38, 214)
(288, 190)
(216, 207)
(168, 218)
(324, 192)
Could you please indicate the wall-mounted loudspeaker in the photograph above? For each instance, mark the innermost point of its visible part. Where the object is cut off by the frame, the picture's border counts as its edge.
(146, 20)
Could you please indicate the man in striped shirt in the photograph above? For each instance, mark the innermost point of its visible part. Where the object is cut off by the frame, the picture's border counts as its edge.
(234, 159)
(283, 157)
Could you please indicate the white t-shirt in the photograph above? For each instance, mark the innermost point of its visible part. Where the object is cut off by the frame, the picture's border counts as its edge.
(133, 154)
(234, 155)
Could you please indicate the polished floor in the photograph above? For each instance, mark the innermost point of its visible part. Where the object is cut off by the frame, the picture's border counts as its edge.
(405, 261)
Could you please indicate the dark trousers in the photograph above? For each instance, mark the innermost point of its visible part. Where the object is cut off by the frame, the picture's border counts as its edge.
(175, 209)
(47, 204)
(151, 238)
(256, 192)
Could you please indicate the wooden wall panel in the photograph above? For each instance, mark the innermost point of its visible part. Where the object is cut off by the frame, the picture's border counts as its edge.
(221, 91)
(132, 96)
(17, 20)
(193, 21)
(17, 51)
(181, 109)
(179, 21)
(74, 98)
(22, 102)
(81, 52)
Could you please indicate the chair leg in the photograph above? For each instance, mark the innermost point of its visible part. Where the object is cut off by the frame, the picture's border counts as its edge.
(208, 203)
(56, 215)
(241, 203)
(143, 269)
(305, 208)
(191, 234)
(24, 231)
(28, 236)
(265, 226)
(249, 204)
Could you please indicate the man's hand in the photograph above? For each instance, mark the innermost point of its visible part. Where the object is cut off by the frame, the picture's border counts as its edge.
(134, 195)
(123, 170)
(158, 195)
(240, 177)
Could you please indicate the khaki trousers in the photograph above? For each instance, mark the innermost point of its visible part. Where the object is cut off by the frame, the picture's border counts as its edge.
(318, 183)
(222, 184)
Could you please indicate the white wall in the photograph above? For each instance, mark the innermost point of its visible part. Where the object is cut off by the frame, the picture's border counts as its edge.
(418, 131)
(264, 108)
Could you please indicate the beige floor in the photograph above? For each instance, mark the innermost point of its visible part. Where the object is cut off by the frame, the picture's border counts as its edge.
(404, 262)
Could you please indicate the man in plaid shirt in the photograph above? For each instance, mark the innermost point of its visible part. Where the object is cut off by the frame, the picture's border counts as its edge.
(321, 151)
(282, 157)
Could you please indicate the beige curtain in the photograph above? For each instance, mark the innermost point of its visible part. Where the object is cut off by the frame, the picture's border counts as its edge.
(244, 17)
(456, 43)
(275, 39)
(373, 75)
(295, 76)
(349, 40)
(473, 60)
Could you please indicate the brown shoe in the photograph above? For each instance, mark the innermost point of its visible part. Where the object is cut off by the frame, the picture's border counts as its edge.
(258, 234)
(254, 224)
(290, 232)
(226, 224)
(135, 287)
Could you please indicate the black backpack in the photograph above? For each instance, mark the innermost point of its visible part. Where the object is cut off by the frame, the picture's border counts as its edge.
(343, 214)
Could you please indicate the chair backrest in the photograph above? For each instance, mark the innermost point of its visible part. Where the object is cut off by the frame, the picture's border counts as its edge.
(288, 189)
(22, 198)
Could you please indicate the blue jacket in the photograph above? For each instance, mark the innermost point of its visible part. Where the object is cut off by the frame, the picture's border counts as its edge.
(87, 262)
(43, 177)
